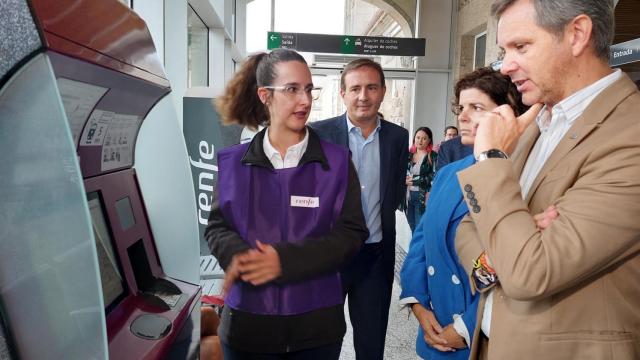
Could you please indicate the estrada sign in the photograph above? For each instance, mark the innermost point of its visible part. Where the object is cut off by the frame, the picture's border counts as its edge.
(624, 53)
(346, 44)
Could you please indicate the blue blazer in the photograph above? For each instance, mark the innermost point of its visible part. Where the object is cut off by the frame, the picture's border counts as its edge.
(394, 150)
(432, 273)
(452, 150)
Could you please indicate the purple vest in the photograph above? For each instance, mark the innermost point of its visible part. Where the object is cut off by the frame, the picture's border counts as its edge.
(257, 203)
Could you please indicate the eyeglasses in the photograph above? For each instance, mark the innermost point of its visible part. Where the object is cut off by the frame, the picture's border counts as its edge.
(294, 91)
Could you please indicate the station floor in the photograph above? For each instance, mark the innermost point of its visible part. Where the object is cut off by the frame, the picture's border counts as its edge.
(403, 329)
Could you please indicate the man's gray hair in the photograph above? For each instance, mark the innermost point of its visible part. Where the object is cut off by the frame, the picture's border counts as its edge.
(554, 15)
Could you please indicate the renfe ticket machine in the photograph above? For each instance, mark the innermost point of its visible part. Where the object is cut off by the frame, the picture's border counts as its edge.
(81, 276)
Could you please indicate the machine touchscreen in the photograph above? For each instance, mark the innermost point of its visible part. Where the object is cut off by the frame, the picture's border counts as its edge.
(110, 275)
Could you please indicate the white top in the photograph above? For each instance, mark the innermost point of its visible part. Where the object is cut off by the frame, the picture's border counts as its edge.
(553, 127)
(292, 156)
(415, 170)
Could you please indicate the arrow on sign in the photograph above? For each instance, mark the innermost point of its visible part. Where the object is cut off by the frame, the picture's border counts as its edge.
(273, 37)
(346, 41)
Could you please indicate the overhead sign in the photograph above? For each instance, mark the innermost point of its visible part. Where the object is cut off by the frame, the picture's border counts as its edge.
(624, 53)
(347, 44)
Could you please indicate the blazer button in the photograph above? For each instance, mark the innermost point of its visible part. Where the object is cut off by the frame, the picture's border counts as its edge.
(455, 280)
(476, 209)
(467, 188)
(471, 195)
(431, 270)
(473, 202)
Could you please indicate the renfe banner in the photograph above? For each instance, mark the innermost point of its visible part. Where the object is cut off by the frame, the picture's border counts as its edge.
(205, 135)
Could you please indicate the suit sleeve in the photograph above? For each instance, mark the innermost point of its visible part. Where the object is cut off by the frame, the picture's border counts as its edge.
(317, 255)
(443, 157)
(598, 224)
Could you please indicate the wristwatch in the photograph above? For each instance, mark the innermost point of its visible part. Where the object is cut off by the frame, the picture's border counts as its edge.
(491, 154)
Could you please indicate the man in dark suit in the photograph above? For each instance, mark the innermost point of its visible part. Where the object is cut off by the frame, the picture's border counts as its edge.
(379, 150)
(452, 150)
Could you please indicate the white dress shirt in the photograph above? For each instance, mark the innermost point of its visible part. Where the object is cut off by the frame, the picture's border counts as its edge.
(291, 157)
(553, 126)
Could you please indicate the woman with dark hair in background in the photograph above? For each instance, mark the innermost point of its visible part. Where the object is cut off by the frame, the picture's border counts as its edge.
(441, 297)
(420, 170)
(286, 215)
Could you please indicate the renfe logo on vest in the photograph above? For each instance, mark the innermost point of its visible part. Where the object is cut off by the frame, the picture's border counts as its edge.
(305, 201)
(205, 191)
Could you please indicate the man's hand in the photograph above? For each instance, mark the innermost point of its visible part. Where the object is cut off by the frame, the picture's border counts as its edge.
(453, 339)
(544, 219)
(431, 327)
(259, 266)
(500, 129)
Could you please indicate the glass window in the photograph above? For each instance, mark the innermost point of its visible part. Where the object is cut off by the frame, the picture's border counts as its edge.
(480, 49)
(309, 16)
(197, 51)
(396, 106)
(258, 25)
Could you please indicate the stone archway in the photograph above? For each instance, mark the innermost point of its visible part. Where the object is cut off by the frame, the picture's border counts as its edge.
(402, 11)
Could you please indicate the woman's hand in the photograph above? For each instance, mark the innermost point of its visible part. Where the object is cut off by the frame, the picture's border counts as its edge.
(231, 274)
(453, 339)
(259, 266)
(255, 266)
(408, 180)
(432, 330)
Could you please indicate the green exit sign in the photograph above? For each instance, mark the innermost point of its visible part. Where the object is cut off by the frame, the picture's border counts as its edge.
(274, 40)
(346, 44)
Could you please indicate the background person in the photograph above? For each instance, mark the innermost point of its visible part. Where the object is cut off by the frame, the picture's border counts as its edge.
(286, 215)
(420, 171)
(376, 146)
(449, 133)
(441, 297)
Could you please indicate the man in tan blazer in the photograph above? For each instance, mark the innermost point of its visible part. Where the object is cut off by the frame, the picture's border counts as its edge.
(568, 285)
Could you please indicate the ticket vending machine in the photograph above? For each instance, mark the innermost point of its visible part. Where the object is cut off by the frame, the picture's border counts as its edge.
(83, 268)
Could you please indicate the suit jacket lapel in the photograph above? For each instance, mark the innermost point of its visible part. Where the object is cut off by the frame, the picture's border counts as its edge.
(596, 113)
(341, 135)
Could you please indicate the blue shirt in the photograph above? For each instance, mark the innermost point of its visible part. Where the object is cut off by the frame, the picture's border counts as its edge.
(365, 154)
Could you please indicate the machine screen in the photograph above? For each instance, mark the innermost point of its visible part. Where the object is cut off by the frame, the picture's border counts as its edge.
(110, 275)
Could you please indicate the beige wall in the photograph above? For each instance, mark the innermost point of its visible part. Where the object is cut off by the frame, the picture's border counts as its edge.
(473, 19)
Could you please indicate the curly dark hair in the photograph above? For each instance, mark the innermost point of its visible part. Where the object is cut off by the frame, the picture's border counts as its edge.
(497, 86)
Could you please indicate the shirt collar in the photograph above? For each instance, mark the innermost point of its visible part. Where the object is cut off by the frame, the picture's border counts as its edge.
(572, 107)
(351, 126)
(295, 151)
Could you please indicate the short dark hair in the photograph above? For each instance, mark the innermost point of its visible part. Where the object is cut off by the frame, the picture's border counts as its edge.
(426, 130)
(240, 103)
(358, 63)
(450, 127)
(554, 15)
(497, 86)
